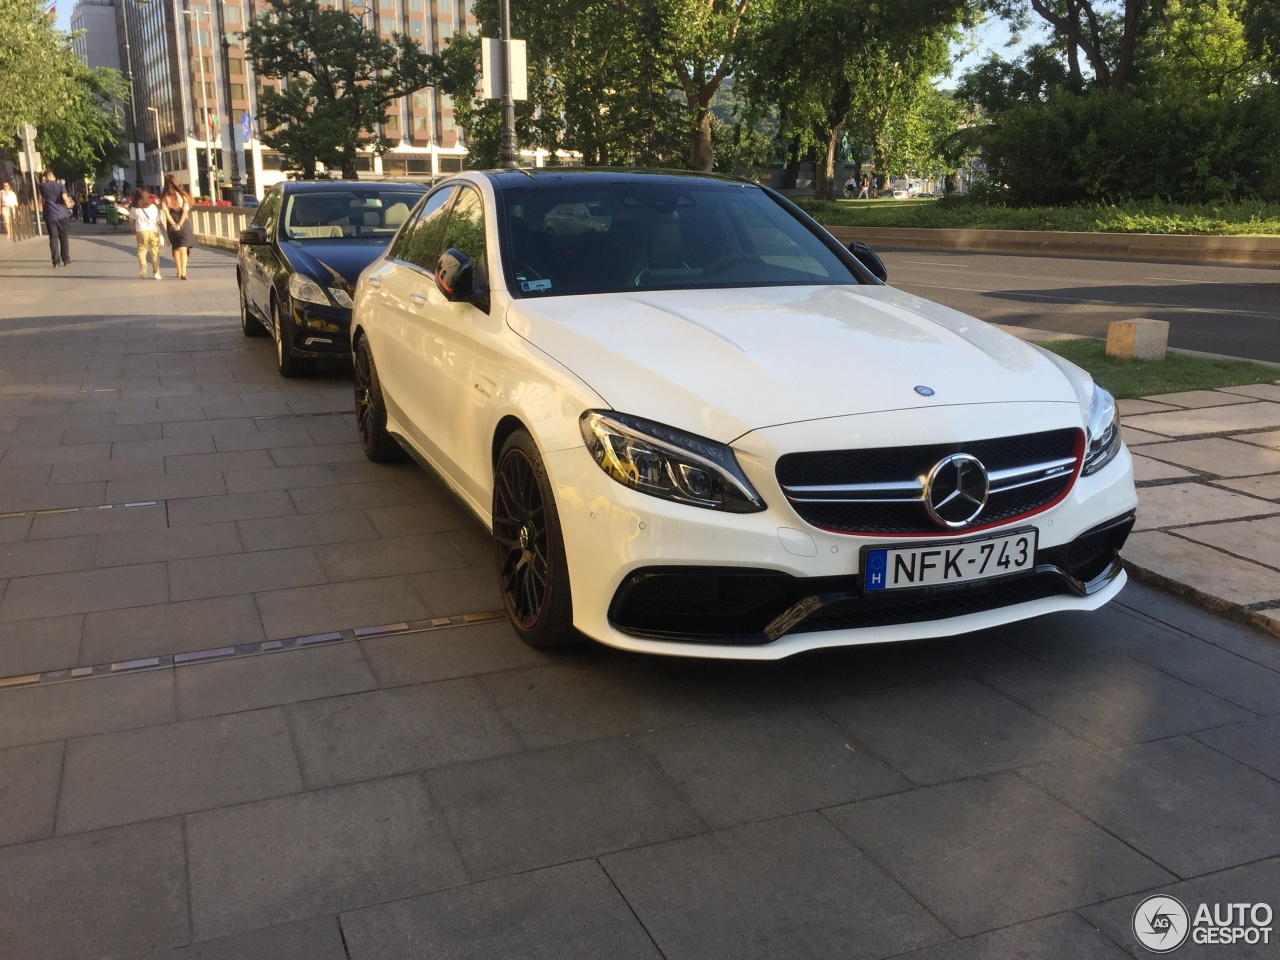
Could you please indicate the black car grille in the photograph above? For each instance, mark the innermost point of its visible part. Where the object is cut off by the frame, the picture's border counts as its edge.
(907, 465)
(719, 605)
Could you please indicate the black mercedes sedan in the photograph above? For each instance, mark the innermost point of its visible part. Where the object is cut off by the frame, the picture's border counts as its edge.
(298, 263)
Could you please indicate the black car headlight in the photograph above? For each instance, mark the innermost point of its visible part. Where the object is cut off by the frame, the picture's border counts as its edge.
(1102, 432)
(668, 463)
(306, 290)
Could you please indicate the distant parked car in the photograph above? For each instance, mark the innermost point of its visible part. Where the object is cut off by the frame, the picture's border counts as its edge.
(298, 263)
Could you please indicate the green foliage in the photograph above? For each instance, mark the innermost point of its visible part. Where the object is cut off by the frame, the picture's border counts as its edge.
(962, 212)
(1198, 48)
(1107, 146)
(42, 83)
(83, 140)
(1129, 379)
(342, 77)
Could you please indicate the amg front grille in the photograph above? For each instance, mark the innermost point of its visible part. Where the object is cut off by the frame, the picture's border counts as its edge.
(880, 491)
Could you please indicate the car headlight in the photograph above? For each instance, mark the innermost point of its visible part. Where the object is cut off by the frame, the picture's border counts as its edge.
(308, 291)
(668, 463)
(341, 298)
(1102, 431)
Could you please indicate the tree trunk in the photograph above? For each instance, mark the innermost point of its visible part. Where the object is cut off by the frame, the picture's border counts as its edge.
(701, 156)
(824, 170)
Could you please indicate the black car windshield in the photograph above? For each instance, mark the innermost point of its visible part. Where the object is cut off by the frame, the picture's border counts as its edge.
(350, 212)
(609, 237)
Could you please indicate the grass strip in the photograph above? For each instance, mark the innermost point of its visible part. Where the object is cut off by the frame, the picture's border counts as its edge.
(1227, 219)
(1128, 379)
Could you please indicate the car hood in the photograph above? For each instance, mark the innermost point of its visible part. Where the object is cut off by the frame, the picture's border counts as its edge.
(325, 259)
(721, 363)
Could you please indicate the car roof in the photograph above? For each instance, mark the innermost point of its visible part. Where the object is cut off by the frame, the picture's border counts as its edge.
(530, 177)
(307, 186)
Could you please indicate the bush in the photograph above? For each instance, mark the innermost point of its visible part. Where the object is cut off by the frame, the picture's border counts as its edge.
(1115, 147)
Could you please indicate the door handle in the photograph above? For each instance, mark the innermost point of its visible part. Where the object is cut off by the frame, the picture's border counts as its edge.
(418, 298)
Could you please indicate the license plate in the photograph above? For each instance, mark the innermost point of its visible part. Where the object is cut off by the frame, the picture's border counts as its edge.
(964, 561)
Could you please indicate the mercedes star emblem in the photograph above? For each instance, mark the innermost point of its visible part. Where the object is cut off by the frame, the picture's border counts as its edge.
(955, 491)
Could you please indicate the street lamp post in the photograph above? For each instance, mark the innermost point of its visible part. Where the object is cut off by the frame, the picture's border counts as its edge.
(133, 102)
(155, 115)
(508, 153)
(237, 191)
(204, 99)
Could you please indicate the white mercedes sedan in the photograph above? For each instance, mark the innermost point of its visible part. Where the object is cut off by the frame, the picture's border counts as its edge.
(696, 424)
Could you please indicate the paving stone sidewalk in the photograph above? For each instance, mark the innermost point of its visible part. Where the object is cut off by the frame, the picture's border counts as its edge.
(359, 772)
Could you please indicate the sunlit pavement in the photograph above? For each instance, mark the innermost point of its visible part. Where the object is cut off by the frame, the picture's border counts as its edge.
(262, 701)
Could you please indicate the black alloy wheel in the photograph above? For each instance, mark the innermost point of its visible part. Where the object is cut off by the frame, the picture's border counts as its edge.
(371, 413)
(289, 365)
(249, 324)
(533, 576)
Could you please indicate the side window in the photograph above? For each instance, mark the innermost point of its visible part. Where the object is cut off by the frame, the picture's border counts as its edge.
(268, 211)
(419, 243)
(465, 232)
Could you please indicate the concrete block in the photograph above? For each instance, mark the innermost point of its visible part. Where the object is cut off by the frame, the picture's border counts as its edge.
(1138, 339)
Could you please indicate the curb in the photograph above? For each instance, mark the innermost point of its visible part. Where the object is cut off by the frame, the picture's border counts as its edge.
(1260, 251)
(1206, 601)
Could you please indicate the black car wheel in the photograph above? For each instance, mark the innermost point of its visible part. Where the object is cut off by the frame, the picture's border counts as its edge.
(533, 576)
(249, 324)
(289, 365)
(371, 414)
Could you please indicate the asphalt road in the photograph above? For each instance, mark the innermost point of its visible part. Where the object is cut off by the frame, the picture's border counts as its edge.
(1233, 310)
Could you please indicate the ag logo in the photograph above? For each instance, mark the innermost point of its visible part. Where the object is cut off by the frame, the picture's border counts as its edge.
(1161, 923)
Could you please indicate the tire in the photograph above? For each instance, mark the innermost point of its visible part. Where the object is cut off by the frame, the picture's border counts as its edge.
(533, 576)
(249, 324)
(289, 365)
(371, 413)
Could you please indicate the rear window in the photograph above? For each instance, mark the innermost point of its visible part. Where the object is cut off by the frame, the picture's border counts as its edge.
(606, 238)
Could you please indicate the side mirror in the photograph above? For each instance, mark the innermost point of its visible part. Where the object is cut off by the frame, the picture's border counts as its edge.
(253, 236)
(455, 275)
(867, 257)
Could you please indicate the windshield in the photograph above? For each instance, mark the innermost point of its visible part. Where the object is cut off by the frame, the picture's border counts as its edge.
(606, 238)
(351, 212)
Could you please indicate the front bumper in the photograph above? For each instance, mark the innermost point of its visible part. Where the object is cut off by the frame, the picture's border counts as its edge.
(320, 331)
(659, 577)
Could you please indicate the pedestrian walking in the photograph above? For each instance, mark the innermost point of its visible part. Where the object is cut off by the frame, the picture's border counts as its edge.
(176, 204)
(57, 218)
(9, 210)
(848, 187)
(864, 188)
(144, 221)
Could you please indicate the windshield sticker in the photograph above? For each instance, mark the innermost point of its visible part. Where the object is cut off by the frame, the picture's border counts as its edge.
(533, 286)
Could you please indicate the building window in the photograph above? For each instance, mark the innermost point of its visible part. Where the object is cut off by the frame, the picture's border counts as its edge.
(237, 67)
(415, 28)
(446, 30)
(230, 13)
(446, 122)
(237, 91)
(445, 7)
(415, 6)
(418, 166)
(421, 99)
(450, 164)
(421, 125)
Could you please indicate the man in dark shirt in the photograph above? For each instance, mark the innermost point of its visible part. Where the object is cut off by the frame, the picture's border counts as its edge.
(57, 217)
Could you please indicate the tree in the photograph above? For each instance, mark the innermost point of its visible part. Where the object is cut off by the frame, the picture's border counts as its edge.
(701, 38)
(1198, 48)
(1108, 41)
(340, 78)
(1262, 30)
(84, 138)
(74, 108)
(815, 58)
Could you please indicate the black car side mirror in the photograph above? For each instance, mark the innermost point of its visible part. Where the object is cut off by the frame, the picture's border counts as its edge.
(455, 275)
(253, 236)
(867, 257)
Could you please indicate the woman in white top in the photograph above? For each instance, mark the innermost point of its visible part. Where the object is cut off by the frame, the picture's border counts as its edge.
(9, 209)
(144, 220)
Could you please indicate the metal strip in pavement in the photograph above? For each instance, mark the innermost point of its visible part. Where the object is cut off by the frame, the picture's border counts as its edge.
(54, 511)
(170, 661)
